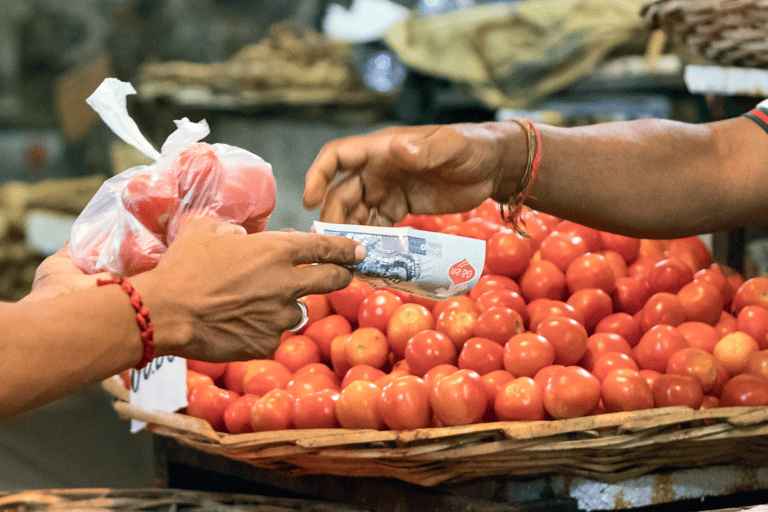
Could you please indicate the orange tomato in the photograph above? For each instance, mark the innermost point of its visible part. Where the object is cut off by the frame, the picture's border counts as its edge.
(734, 350)
(367, 345)
(406, 321)
(358, 406)
(520, 399)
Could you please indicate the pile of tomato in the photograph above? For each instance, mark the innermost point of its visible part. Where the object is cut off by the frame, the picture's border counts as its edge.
(566, 321)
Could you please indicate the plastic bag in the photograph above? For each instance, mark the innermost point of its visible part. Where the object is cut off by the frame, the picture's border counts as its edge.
(136, 215)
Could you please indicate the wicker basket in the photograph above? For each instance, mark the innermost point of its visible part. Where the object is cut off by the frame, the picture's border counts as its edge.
(727, 32)
(609, 447)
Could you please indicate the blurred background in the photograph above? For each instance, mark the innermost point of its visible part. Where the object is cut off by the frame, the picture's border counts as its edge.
(280, 79)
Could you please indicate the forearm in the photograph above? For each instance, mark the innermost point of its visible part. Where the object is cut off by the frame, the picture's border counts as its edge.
(654, 178)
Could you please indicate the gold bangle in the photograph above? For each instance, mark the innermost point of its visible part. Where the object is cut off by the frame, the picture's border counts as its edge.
(515, 202)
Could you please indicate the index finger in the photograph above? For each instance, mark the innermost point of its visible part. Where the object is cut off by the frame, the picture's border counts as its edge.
(315, 248)
(336, 156)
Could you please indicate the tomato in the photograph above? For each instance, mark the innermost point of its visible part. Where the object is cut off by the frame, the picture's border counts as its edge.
(540, 309)
(542, 279)
(193, 379)
(590, 270)
(593, 304)
(745, 390)
(701, 302)
(367, 345)
(699, 335)
(404, 403)
(662, 308)
(478, 228)
(757, 364)
(507, 253)
(237, 415)
(641, 268)
(567, 336)
(623, 324)
(262, 375)
(669, 276)
(536, 227)
(458, 324)
(520, 400)
(361, 372)
(427, 349)
(611, 361)
(590, 235)
(710, 402)
(208, 402)
(671, 389)
(233, 376)
(571, 391)
(690, 250)
(459, 398)
(630, 294)
(504, 298)
(407, 321)
(493, 383)
(311, 382)
(618, 265)
(651, 249)
(317, 369)
(439, 222)
(498, 324)
(214, 370)
(734, 350)
(493, 282)
(562, 248)
(316, 410)
(714, 276)
(650, 376)
(697, 363)
(602, 343)
(625, 390)
(481, 355)
(323, 331)
(358, 406)
(152, 198)
(726, 325)
(753, 320)
(318, 307)
(657, 346)
(339, 360)
(527, 353)
(462, 302)
(377, 308)
(273, 411)
(297, 351)
(346, 302)
(488, 209)
(627, 247)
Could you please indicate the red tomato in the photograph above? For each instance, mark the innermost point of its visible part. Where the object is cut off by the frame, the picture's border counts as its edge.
(346, 302)
(311, 382)
(542, 279)
(520, 400)
(562, 248)
(630, 294)
(237, 415)
(367, 345)
(481, 355)
(377, 308)
(651, 249)
(404, 403)
(489, 210)
(623, 324)
(527, 353)
(479, 228)
(406, 321)
(493, 383)
(462, 302)
(273, 411)
(458, 324)
(625, 390)
(323, 331)
(384, 381)
(504, 298)
(427, 349)
(567, 336)
(536, 227)
(540, 309)
(734, 350)
(297, 351)
(193, 379)
(657, 346)
(571, 392)
(669, 276)
(339, 360)
(233, 376)
(316, 410)
(438, 372)
(690, 250)
(262, 375)
(650, 376)
(317, 307)
(358, 406)
(601, 343)
(490, 282)
(753, 320)
(757, 364)
(618, 265)
(209, 403)
(508, 253)
(498, 324)
(361, 372)
(662, 308)
(153, 199)
(317, 368)
(697, 363)
(641, 268)
(213, 370)
(714, 276)
(611, 361)
(626, 246)
(139, 251)
(726, 325)
(591, 235)
(593, 304)
(459, 398)
(699, 335)
(440, 222)
(670, 390)
(745, 390)
(701, 302)
(590, 270)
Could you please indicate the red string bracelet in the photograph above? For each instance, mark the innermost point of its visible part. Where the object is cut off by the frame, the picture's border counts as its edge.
(526, 182)
(142, 318)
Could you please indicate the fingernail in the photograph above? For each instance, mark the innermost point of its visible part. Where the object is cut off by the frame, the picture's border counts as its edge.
(360, 253)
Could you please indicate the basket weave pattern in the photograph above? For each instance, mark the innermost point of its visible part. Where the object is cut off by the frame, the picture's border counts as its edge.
(727, 32)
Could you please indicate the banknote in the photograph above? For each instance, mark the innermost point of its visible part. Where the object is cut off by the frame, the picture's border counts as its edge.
(423, 263)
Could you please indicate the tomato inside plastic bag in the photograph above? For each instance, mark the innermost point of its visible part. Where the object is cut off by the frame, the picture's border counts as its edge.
(136, 215)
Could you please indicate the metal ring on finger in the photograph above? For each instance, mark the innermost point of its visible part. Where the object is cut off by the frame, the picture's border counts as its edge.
(304, 317)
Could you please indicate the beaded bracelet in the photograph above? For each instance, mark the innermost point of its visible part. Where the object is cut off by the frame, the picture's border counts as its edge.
(512, 211)
(142, 318)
